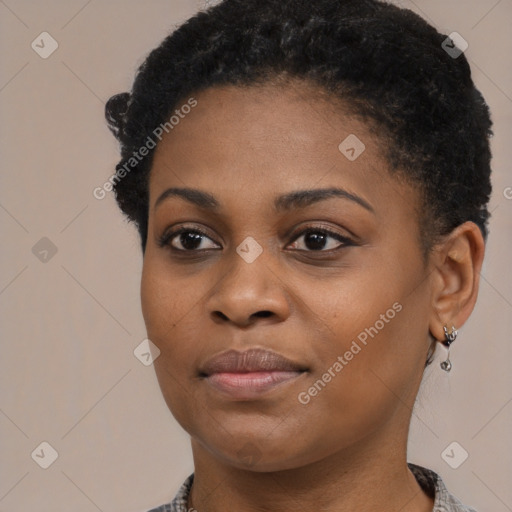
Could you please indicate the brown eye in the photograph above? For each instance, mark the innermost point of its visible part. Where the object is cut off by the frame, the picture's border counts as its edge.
(186, 239)
(322, 240)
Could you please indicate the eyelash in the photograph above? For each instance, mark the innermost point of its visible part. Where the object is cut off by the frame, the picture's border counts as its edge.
(166, 239)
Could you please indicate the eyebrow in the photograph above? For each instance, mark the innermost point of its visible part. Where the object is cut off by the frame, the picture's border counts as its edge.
(285, 202)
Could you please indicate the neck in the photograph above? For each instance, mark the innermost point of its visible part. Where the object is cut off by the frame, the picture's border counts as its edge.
(370, 477)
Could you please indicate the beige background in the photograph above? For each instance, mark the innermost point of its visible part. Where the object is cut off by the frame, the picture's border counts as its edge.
(69, 325)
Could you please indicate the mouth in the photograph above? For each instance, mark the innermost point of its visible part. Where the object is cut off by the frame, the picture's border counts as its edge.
(248, 375)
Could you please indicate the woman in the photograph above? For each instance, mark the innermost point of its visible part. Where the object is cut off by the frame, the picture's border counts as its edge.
(309, 181)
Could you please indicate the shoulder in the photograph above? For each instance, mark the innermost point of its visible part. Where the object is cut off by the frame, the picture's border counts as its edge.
(434, 486)
(179, 503)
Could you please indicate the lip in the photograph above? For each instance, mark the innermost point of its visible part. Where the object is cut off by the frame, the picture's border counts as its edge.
(249, 374)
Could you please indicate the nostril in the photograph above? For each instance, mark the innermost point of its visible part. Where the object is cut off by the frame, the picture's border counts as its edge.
(264, 314)
(260, 314)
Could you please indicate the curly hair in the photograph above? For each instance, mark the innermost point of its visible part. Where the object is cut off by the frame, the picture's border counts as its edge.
(385, 63)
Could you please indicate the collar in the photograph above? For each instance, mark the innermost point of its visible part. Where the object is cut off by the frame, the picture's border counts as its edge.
(428, 480)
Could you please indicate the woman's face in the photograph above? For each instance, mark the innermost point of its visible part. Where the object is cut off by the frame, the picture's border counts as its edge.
(349, 309)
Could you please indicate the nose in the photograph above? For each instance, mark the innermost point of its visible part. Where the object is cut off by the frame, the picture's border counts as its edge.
(247, 292)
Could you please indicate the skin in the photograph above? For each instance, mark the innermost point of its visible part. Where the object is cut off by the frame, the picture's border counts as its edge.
(346, 448)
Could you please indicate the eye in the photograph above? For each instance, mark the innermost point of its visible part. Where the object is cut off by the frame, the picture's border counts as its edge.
(318, 239)
(189, 239)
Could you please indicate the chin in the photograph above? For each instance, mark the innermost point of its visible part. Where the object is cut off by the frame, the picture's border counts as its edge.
(251, 453)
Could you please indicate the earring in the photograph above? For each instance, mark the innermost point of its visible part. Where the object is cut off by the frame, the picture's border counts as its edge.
(449, 339)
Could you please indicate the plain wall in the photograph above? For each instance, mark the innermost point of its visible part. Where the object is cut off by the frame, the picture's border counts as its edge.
(70, 324)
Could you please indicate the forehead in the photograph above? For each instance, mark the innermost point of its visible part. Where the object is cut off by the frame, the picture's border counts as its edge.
(247, 145)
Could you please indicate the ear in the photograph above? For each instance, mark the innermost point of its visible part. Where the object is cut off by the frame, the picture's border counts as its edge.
(456, 264)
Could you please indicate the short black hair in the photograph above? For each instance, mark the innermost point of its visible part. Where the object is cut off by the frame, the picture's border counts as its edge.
(385, 63)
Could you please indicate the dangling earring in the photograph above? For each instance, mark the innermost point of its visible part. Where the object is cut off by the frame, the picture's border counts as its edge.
(449, 339)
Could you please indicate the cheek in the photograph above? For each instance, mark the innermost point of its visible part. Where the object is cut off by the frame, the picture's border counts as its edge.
(155, 299)
(168, 303)
(165, 297)
(372, 364)
(167, 307)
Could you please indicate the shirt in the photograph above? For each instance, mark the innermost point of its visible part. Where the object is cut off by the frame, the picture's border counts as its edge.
(428, 480)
